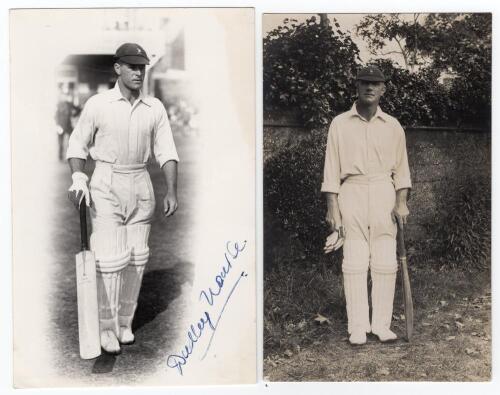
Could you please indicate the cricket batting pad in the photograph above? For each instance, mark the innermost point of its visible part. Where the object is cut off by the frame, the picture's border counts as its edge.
(112, 256)
(383, 273)
(355, 272)
(137, 241)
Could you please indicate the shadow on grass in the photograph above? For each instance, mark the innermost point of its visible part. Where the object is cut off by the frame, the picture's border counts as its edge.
(104, 363)
(159, 288)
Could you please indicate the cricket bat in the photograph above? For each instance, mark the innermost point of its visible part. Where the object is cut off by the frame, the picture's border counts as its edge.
(407, 298)
(86, 292)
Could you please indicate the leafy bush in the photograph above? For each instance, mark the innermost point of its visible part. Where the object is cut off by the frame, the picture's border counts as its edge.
(310, 68)
(466, 231)
(292, 182)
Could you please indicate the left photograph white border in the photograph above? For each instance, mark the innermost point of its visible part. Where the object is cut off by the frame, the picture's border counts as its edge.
(206, 79)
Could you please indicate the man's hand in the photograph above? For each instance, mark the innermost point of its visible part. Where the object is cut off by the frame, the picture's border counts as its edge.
(400, 211)
(169, 204)
(400, 214)
(79, 189)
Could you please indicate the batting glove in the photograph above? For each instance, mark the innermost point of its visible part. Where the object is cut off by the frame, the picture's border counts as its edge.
(79, 189)
(335, 240)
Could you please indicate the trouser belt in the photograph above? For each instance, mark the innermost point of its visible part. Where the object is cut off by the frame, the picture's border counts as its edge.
(124, 169)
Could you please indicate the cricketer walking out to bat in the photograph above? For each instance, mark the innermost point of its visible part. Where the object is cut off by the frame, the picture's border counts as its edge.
(366, 180)
(119, 129)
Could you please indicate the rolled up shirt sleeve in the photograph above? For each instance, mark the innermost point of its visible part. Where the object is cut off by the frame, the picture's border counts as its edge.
(164, 145)
(80, 139)
(401, 173)
(331, 173)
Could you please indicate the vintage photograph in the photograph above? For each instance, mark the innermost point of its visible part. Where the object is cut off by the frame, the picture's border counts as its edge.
(133, 172)
(377, 197)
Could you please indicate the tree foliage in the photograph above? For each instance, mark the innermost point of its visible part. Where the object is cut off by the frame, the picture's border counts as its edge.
(309, 67)
(382, 29)
(461, 43)
(414, 98)
(458, 44)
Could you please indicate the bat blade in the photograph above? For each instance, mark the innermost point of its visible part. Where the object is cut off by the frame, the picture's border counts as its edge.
(88, 313)
(407, 298)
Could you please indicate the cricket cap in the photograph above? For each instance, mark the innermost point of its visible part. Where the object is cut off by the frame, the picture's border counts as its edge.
(370, 73)
(132, 54)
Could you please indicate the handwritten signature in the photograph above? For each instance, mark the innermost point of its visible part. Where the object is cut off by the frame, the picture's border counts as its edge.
(209, 296)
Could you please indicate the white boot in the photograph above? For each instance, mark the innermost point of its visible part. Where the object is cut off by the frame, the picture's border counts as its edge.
(137, 240)
(112, 256)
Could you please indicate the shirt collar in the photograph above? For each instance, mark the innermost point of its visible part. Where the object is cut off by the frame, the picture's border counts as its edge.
(378, 114)
(115, 94)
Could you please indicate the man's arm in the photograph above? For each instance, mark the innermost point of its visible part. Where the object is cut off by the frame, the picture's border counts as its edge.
(78, 150)
(402, 181)
(76, 164)
(170, 200)
(400, 212)
(166, 155)
(333, 216)
(331, 178)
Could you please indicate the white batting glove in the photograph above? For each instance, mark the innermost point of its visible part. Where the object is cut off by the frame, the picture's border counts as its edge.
(79, 189)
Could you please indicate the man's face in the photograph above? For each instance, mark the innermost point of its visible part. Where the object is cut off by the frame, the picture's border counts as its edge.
(370, 92)
(132, 75)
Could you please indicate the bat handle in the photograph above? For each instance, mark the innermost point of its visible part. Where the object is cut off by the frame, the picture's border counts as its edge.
(83, 225)
(400, 240)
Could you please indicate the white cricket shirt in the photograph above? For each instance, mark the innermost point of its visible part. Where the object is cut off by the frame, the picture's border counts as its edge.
(115, 131)
(356, 146)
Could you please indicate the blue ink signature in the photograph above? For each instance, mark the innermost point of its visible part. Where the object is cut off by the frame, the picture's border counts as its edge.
(196, 330)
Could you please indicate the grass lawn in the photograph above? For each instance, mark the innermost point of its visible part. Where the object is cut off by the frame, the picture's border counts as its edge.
(305, 328)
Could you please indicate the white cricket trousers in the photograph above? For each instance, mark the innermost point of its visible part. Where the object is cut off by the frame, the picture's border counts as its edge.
(366, 203)
(123, 205)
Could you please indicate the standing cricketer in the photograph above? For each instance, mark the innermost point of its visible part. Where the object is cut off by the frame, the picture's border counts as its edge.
(366, 181)
(119, 128)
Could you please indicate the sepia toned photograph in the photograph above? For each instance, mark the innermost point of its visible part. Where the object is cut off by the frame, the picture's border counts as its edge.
(377, 197)
(133, 194)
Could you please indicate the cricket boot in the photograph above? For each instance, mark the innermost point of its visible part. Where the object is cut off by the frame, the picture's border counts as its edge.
(137, 241)
(112, 256)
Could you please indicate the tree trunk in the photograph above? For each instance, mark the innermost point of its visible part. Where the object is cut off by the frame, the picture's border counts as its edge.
(323, 20)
